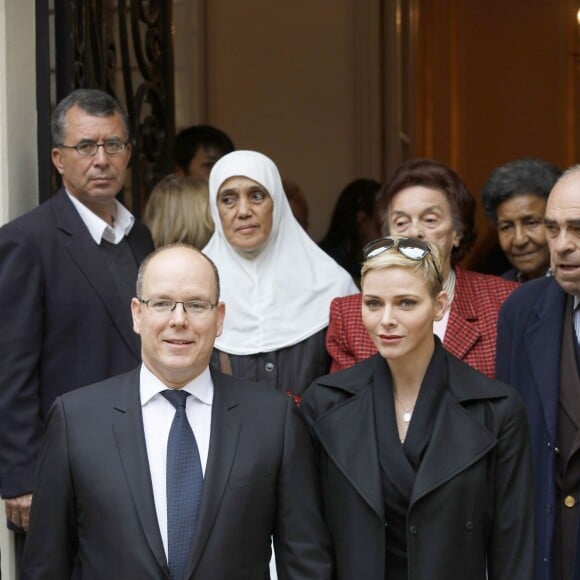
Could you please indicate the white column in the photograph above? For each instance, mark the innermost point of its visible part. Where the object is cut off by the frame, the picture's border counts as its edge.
(18, 151)
(18, 143)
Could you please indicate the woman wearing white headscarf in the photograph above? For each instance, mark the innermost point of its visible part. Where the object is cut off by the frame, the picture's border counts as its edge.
(276, 283)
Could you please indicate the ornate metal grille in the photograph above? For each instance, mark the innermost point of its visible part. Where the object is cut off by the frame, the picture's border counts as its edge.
(124, 47)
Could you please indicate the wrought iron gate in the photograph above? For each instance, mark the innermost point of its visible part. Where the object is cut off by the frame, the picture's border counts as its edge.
(125, 48)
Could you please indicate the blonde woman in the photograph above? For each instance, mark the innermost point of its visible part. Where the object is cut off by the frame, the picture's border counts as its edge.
(178, 211)
(424, 461)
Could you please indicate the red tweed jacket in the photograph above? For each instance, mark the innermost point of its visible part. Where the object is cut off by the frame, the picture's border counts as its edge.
(471, 329)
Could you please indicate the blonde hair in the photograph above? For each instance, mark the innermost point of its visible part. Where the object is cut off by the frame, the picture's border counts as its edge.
(429, 268)
(178, 212)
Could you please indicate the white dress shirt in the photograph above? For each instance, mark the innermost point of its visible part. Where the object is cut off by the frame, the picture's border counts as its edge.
(99, 228)
(158, 415)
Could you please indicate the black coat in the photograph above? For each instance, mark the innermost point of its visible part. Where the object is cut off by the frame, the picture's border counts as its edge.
(64, 325)
(471, 508)
(529, 344)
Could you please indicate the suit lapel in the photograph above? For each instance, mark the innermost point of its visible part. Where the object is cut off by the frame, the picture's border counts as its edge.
(457, 442)
(130, 437)
(347, 433)
(86, 255)
(462, 331)
(543, 341)
(225, 431)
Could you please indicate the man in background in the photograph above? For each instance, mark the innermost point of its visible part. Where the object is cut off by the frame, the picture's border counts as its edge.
(197, 148)
(67, 273)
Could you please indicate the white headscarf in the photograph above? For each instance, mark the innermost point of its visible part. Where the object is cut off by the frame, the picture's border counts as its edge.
(282, 295)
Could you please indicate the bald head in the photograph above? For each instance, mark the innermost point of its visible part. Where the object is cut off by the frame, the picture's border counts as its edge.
(562, 223)
(162, 250)
(177, 313)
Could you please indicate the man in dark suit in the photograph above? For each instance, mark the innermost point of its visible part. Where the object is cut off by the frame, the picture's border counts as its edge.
(106, 486)
(538, 353)
(67, 273)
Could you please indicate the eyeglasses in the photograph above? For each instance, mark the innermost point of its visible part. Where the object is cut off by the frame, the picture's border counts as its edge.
(411, 248)
(90, 148)
(197, 308)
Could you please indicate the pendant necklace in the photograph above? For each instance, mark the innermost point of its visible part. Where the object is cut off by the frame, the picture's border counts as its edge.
(407, 412)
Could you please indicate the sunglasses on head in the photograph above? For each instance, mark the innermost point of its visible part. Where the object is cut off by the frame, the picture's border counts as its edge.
(411, 248)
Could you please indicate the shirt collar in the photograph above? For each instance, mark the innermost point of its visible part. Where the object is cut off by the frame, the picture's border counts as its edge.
(99, 228)
(201, 387)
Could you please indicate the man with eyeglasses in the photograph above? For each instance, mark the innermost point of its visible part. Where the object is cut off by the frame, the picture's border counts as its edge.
(67, 273)
(175, 470)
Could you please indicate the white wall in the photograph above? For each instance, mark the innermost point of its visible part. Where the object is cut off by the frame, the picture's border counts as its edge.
(18, 145)
(295, 81)
(18, 156)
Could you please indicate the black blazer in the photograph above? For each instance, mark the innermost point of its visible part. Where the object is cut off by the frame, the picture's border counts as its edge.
(471, 503)
(93, 495)
(63, 325)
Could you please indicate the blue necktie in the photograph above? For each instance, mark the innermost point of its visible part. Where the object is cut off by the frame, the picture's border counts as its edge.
(184, 486)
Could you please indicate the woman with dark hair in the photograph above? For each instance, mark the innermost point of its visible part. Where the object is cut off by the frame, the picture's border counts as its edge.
(354, 222)
(514, 199)
(424, 462)
(425, 199)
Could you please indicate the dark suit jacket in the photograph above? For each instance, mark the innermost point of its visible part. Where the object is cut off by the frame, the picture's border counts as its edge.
(470, 334)
(511, 274)
(63, 326)
(528, 358)
(93, 495)
(472, 496)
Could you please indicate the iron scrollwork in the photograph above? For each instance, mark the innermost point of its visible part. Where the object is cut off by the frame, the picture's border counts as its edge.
(124, 47)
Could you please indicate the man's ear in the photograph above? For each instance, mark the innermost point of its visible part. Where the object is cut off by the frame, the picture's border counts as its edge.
(56, 155)
(136, 314)
(221, 314)
(130, 152)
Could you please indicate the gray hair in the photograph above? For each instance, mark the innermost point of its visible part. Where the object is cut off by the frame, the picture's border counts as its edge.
(523, 176)
(92, 101)
(571, 171)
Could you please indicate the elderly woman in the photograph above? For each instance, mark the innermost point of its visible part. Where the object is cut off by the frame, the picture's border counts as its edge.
(514, 199)
(424, 462)
(427, 200)
(276, 283)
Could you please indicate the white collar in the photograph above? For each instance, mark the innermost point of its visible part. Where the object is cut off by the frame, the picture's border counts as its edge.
(201, 387)
(99, 228)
